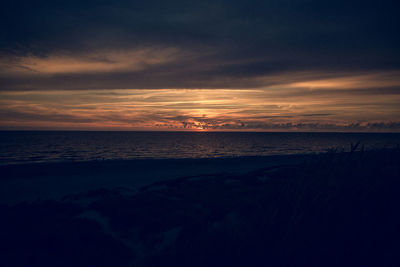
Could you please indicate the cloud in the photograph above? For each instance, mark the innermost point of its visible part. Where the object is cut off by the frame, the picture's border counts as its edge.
(214, 109)
(289, 64)
(95, 62)
(216, 44)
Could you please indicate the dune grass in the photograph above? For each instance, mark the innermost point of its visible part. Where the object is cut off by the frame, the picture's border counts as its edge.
(335, 209)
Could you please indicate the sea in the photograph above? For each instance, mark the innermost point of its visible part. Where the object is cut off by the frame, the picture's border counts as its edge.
(23, 147)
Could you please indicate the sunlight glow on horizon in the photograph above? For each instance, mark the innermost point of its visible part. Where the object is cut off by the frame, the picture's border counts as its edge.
(288, 107)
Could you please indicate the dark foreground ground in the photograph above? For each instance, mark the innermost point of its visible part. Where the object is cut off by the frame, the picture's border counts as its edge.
(335, 209)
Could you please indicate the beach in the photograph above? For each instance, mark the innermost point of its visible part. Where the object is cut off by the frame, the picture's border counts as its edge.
(331, 209)
(29, 182)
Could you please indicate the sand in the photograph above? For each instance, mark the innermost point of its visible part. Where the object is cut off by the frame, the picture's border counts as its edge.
(29, 182)
(335, 209)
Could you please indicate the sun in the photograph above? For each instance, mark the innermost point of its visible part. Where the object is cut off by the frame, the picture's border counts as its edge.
(200, 129)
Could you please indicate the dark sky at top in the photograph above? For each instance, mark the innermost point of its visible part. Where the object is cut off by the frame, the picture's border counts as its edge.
(216, 40)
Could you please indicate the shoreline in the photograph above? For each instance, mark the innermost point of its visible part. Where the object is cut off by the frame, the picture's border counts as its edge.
(54, 180)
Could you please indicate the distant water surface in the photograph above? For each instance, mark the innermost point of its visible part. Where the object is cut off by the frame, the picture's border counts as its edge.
(30, 147)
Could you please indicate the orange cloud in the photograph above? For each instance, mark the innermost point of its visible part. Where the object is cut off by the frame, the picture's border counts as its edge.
(176, 109)
(95, 61)
(382, 79)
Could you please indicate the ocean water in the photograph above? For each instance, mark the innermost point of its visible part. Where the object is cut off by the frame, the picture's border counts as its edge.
(18, 147)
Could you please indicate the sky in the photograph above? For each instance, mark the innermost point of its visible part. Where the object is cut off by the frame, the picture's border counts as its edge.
(287, 65)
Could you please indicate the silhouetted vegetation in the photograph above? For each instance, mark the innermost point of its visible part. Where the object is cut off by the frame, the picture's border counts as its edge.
(335, 209)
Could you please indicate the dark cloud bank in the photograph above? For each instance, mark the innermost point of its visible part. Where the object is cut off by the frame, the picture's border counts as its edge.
(219, 44)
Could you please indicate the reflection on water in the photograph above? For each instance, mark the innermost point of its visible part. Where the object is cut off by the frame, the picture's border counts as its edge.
(26, 147)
